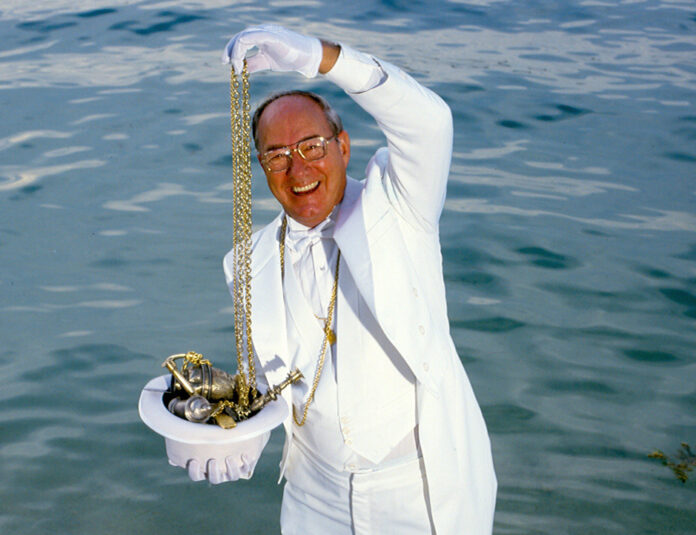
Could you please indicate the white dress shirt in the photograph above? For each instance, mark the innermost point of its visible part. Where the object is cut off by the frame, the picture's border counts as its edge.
(312, 253)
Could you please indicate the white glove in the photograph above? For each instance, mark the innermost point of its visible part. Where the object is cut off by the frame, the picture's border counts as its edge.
(233, 468)
(221, 463)
(278, 50)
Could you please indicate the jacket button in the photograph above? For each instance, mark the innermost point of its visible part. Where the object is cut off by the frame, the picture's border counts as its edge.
(415, 292)
(426, 366)
(421, 329)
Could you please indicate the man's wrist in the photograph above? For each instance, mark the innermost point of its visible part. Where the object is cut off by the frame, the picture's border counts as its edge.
(330, 52)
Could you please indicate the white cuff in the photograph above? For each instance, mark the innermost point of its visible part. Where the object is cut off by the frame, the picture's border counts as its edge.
(355, 72)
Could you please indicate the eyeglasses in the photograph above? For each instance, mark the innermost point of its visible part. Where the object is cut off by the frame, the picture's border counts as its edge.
(311, 149)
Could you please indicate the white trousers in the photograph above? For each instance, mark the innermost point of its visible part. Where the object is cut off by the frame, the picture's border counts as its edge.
(318, 500)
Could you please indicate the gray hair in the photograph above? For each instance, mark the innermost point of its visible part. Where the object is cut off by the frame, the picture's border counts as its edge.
(331, 115)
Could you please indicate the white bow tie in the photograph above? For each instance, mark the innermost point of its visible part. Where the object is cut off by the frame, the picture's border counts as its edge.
(301, 239)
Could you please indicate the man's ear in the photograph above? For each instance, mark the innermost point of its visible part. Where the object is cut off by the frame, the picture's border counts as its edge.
(344, 146)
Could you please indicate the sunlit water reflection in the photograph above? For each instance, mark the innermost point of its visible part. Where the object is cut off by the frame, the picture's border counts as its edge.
(568, 238)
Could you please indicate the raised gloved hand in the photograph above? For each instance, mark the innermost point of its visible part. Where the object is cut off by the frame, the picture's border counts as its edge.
(279, 49)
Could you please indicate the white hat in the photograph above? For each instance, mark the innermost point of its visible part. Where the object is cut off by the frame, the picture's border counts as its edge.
(186, 440)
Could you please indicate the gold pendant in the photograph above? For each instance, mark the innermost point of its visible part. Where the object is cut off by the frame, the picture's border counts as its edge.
(331, 336)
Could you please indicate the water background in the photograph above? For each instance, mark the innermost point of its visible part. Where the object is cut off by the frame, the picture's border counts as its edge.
(569, 240)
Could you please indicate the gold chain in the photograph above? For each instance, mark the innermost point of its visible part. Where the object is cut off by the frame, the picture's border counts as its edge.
(241, 168)
(195, 359)
(329, 336)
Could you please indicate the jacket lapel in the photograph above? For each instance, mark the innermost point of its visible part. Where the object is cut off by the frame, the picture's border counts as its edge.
(368, 235)
(351, 238)
(269, 331)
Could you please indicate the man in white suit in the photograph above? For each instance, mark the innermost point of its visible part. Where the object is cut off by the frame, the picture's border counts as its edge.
(386, 435)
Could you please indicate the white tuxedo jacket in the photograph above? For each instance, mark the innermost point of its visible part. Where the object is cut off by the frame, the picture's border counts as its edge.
(387, 232)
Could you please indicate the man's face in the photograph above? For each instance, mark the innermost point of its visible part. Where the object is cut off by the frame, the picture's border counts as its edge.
(308, 191)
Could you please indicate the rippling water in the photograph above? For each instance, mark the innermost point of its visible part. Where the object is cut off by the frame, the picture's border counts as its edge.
(569, 240)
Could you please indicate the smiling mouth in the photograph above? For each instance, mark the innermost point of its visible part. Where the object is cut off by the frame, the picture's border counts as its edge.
(306, 189)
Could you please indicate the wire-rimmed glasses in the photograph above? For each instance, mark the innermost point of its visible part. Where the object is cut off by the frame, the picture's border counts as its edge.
(311, 149)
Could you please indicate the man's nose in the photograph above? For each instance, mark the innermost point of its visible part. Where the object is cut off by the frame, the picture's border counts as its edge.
(298, 164)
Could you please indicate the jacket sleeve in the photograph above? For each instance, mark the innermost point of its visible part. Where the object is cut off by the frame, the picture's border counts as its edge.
(418, 126)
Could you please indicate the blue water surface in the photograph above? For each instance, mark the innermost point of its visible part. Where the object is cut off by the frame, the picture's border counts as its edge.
(569, 243)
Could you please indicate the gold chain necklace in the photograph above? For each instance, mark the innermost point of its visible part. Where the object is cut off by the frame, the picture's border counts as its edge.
(241, 171)
(329, 336)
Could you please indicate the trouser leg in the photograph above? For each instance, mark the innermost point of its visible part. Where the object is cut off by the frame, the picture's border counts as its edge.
(319, 500)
